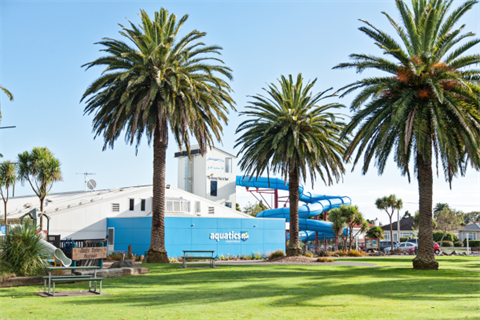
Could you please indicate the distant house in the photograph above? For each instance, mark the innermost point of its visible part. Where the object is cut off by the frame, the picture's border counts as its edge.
(406, 229)
(471, 231)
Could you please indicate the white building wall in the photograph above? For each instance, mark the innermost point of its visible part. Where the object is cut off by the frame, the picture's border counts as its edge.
(83, 215)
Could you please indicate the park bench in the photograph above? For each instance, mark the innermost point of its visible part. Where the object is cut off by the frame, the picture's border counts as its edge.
(198, 255)
(69, 278)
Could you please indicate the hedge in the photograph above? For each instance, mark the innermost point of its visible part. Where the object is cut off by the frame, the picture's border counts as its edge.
(472, 243)
(450, 236)
(403, 239)
(446, 244)
(458, 244)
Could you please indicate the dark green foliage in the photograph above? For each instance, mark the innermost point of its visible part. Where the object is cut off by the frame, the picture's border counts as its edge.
(458, 244)
(20, 251)
(446, 243)
(472, 243)
(450, 236)
(375, 232)
(403, 239)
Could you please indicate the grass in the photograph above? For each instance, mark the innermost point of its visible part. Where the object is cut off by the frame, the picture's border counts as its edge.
(269, 291)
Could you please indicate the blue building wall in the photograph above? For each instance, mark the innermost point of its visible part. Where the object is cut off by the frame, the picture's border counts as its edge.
(264, 235)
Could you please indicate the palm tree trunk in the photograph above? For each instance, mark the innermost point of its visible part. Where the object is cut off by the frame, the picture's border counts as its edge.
(42, 201)
(425, 260)
(336, 243)
(391, 233)
(293, 248)
(5, 210)
(157, 252)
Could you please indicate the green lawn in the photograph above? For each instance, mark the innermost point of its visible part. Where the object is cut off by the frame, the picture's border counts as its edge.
(323, 291)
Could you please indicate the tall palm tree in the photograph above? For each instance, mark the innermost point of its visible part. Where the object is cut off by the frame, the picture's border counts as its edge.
(289, 133)
(426, 105)
(8, 176)
(338, 219)
(155, 83)
(389, 204)
(41, 169)
(8, 93)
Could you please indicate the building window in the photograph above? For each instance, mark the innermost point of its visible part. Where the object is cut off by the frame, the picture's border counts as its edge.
(228, 204)
(115, 207)
(198, 207)
(143, 204)
(131, 204)
(178, 206)
(211, 210)
(213, 188)
(387, 236)
(472, 235)
(228, 165)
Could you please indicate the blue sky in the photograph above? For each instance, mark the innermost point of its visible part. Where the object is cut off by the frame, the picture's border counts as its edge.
(44, 44)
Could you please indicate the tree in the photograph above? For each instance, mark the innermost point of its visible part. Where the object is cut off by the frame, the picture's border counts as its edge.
(389, 204)
(338, 219)
(8, 93)
(471, 217)
(163, 83)
(8, 176)
(447, 220)
(354, 218)
(406, 215)
(439, 207)
(41, 169)
(375, 232)
(289, 133)
(426, 106)
(253, 209)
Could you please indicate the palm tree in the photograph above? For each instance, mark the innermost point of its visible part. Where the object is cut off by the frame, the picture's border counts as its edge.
(291, 134)
(8, 93)
(41, 169)
(375, 233)
(163, 83)
(389, 203)
(338, 219)
(426, 105)
(8, 176)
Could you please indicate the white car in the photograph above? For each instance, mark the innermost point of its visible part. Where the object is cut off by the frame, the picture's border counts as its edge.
(402, 246)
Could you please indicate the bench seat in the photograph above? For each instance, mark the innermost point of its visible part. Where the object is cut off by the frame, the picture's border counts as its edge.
(88, 278)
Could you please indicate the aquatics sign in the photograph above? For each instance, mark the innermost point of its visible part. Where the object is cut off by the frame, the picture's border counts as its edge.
(242, 235)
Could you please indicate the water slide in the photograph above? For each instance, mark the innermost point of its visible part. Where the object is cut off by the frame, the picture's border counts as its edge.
(53, 251)
(315, 205)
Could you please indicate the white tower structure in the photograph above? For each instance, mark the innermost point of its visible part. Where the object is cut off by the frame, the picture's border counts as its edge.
(211, 176)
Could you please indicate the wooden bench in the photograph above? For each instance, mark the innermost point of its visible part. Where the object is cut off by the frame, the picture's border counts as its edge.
(198, 254)
(88, 278)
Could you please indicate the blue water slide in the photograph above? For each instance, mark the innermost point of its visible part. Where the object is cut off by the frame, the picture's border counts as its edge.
(315, 205)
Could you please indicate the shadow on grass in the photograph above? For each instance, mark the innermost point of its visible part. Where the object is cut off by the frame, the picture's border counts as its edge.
(168, 285)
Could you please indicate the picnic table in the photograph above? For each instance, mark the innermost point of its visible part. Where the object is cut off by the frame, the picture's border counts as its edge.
(88, 278)
(198, 254)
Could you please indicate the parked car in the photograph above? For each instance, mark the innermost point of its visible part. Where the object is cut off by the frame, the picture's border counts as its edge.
(402, 246)
(383, 244)
(415, 241)
(436, 248)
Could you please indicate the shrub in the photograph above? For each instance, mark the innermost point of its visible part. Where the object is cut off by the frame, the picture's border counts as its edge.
(173, 259)
(403, 239)
(257, 256)
(276, 254)
(355, 253)
(341, 253)
(309, 255)
(447, 244)
(450, 236)
(19, 251)
(6, 271)
(472, 243)
(458, 244)
(323, 259)
(247, 257)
